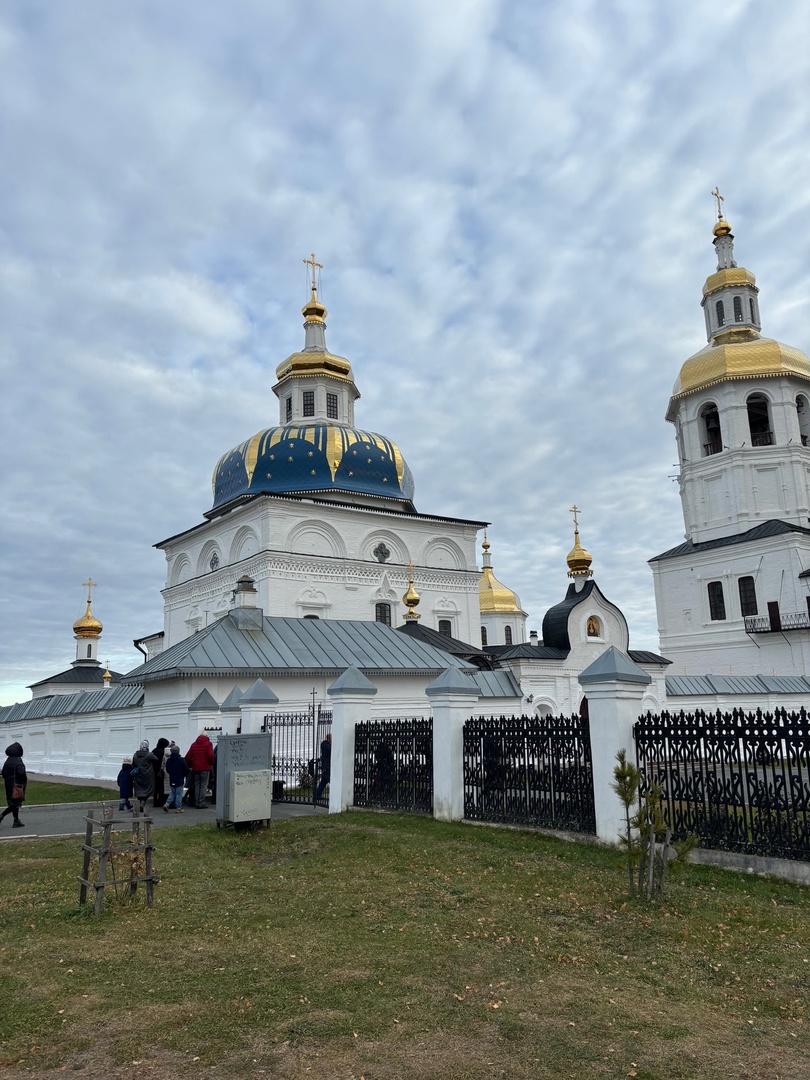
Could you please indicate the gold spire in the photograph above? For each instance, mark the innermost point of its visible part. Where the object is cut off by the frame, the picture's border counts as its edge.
(721, 227)
(107, 676)
(579, 560)
(494, 598)
(411, 597)
(88, 625)
(314, 311)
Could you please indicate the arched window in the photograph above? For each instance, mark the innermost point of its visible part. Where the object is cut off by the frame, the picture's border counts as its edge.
(382, 613)
(288, 409)
(445, 627)
(89, 652)
(507, 635)
(483, 636)
(753, 309)
(721, 313)
(803, 411)
(593, 627)
(712, 435)
(748, 596)
(717, 603)
(738, 315)
(759, 420)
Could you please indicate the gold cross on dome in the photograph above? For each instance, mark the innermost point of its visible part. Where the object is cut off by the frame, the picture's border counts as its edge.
(315, 265)
(575, 510)
(720, 201)
(89, 584)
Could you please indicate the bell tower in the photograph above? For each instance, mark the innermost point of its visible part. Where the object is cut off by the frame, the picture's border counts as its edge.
(741, 410)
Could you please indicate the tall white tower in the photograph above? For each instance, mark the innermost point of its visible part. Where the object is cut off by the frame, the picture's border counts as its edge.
(734, 597)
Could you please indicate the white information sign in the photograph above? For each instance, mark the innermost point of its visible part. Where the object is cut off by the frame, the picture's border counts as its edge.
(250, 794)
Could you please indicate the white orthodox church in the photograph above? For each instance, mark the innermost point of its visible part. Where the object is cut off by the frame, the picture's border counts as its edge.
(313, 559)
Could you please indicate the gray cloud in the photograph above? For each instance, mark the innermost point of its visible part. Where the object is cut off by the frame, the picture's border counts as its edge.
(512, 203)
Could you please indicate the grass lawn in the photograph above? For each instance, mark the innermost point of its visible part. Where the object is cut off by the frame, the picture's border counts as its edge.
(41, 792)
(386, 946)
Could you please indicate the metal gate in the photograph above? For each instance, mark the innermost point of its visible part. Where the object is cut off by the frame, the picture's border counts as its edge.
(301, 759)
(393, 764)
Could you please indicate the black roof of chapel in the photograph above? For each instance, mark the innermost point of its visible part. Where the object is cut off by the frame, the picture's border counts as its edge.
(767, 529)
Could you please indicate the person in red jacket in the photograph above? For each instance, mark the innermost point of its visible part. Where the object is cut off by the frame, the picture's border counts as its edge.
(200, 759)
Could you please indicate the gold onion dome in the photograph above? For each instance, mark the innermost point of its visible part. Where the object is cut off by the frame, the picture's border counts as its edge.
(579, 560)
(721, 227)
(88, 625)
(493, 596)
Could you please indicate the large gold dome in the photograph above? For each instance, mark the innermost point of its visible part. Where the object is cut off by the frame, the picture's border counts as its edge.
(738, 354)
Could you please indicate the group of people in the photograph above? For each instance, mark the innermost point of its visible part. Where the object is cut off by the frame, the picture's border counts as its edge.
(149, 773)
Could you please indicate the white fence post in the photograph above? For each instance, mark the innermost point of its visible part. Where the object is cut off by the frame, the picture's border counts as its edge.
(351, 695)
(614, 686)
(453, 697)
(254, 705)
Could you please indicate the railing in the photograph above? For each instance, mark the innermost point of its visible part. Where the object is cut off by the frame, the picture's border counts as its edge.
(713, 447)
(763, 624)
(393, 765)
(739, 782)
(529, 770)
(762, 438)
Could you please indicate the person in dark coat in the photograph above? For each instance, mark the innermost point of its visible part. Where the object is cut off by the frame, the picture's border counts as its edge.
(160, 752)
(177, 771)
(143, 775)
(326, 766)
(13, 772)
(200, 758)
(124, 781)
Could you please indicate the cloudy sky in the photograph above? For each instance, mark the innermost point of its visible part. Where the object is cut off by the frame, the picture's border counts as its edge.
(511, 200)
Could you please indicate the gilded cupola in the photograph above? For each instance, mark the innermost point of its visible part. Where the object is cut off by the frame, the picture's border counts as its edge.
(88, 625)
(493, 596)
(579, 560)
(735, 349)
(411, 597)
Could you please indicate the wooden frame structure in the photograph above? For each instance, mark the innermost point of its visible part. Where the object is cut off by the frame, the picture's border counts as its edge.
(114, 854)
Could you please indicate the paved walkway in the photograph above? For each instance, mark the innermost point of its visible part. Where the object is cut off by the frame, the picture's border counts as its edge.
(68, 819)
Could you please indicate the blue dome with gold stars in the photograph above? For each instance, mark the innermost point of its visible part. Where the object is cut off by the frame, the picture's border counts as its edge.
(314, 458)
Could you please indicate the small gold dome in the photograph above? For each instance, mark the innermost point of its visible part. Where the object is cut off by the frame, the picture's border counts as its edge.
(88, 625)
(721, 228)
(579, 560)
(741, 354)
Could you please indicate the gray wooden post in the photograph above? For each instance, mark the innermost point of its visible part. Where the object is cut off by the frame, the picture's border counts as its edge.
(453, 697)
(614, 686)
(351, 695)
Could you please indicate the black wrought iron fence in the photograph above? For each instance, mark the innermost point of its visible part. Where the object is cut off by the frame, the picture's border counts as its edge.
(739, 781)
(393, 764)
(298, 761)
(529, 770)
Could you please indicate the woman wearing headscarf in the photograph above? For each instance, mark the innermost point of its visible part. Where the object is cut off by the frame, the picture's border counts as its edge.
(16, 780)
(143, 775)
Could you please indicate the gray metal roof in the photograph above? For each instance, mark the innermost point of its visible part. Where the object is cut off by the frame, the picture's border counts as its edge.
(122, 697)
(496, 684)
(766, 529)
(727, 685)
(293, 646)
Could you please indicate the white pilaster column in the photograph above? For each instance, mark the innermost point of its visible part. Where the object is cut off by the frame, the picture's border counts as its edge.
(351, 695)
(614, 686)
(453, 697)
